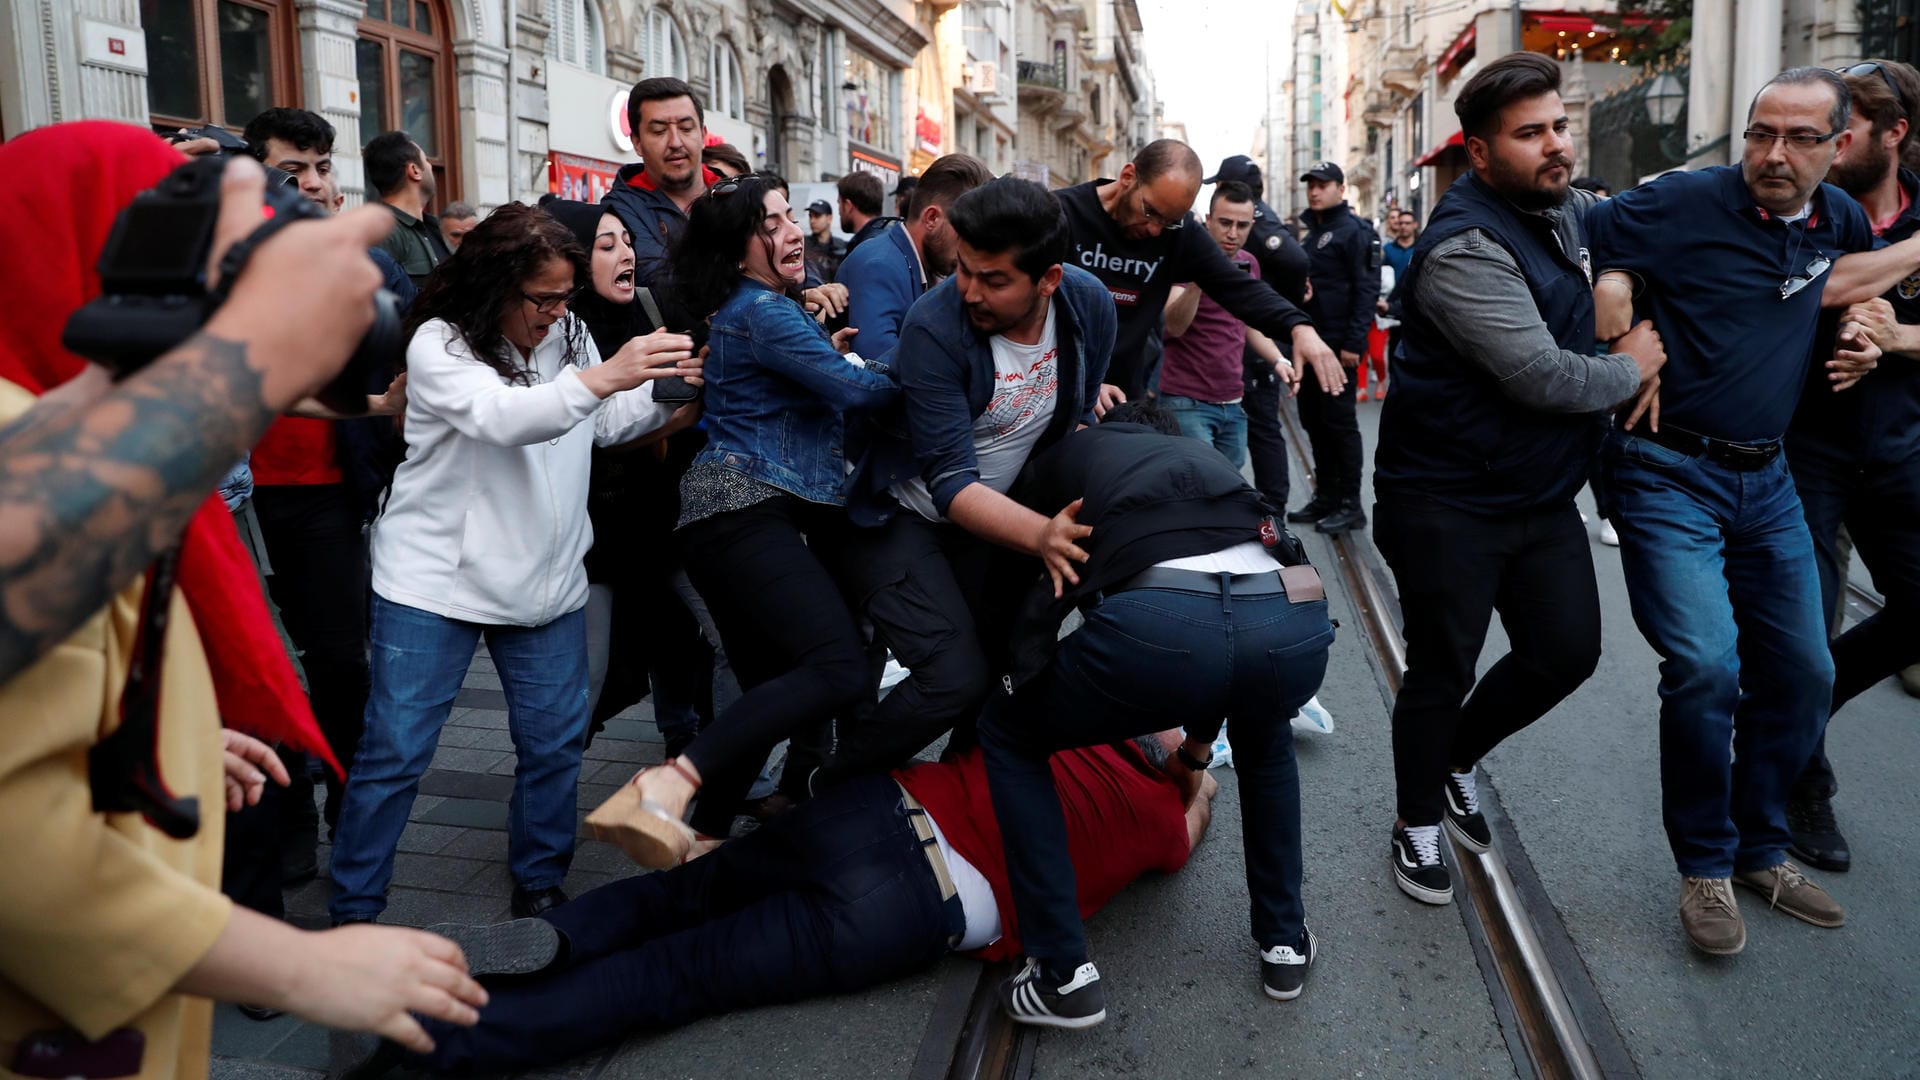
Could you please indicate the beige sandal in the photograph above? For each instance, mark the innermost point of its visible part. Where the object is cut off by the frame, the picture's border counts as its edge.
(645, 830)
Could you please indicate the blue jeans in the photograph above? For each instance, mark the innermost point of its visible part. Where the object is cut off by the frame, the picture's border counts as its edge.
(419, 661)
(832, 897)
(1224, 427)
(1147, 660)
(1720, 572)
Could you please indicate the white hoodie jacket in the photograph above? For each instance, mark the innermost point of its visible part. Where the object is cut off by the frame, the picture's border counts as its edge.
(487, 520)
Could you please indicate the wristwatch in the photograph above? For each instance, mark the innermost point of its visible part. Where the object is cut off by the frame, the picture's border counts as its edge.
(1191, 762)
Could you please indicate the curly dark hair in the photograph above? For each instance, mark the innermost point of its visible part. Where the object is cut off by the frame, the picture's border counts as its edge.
(720, 224)
(484, 278)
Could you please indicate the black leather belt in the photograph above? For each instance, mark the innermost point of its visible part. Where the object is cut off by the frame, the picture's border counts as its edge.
(1265, 583)
(1743, 457)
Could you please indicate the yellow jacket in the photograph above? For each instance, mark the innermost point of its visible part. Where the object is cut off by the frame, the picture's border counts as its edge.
(101, 914)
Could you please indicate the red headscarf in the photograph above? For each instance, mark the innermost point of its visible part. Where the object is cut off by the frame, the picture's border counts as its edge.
(60, 188)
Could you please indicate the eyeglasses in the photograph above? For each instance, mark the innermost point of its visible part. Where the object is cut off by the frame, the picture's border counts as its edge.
(547, 305)
(1861, 71)
(724, 187)
(1804, 278)
(1799, 140)
(1153, 217)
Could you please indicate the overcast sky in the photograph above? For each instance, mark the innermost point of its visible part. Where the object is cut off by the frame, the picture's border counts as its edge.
(1209, 66)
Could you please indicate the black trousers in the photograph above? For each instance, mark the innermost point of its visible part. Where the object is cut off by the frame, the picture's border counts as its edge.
(1334, 433)
(319, 582)
(1454, 570)
(1880, 506)
(787, 633)
(1266, 443)
(942, 600)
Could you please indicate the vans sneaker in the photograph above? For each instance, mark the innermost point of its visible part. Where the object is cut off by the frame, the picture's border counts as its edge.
(1283, 968)
(1416, 864)
(1078, 1003)
(1463, 818)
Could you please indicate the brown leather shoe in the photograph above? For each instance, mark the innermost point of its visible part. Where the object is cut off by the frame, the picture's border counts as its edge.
(1789, 890)
(1710, 916)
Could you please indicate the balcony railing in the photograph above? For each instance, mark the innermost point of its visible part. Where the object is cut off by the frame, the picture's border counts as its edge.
(1035, 73)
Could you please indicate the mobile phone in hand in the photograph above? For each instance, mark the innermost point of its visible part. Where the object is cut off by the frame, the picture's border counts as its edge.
(674, 390)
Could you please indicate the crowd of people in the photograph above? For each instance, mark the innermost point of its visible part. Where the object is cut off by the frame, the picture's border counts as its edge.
(680, 445)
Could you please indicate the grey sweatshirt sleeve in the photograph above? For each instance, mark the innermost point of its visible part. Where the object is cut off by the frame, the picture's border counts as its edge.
(1474, 292)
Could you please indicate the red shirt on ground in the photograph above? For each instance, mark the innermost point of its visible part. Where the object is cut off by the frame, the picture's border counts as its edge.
(297, 450)
(1124, 818)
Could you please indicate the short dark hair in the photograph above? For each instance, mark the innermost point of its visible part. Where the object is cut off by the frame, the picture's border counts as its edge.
(945, 180)
(386, 159)
(1145, 413)
(664, 88)
(726, 154)
(1842, 110)
(1514, 77)
(1011, 214)
(299, 128)
(774, 180)
(459, 211)
(1876, 98)
(1231, 190)
(1162, 156)
(864, 190)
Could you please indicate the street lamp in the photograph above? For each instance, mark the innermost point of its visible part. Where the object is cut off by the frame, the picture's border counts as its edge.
(1665, 97)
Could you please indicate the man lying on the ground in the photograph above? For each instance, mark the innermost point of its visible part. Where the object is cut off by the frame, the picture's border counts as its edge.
(876, 879)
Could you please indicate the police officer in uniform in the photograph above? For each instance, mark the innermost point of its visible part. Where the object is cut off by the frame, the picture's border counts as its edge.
(1283, 265)
(1343, 254)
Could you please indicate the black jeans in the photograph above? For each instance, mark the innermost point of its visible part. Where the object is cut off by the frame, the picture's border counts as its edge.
(1880, 506)
(250, 859)
(1147, 660)
(1454, 569)
(832, 897)
(934, 593)
(319, 582)
(787, 633)
(1266, 443)
(1334, 433)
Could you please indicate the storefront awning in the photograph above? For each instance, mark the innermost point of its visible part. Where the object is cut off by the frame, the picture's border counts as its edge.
(1459, 51)
(1433, 156)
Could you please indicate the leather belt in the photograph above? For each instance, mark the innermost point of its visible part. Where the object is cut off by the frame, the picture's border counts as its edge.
(923, 829)
(1741, 457)
(1265, 583)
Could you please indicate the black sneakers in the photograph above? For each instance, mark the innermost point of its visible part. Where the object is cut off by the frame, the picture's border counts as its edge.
(1077, 1003)
(1463, 818)
(1342, 519)
(1816, 835)
(1313, 511)
(520, 947)
(1283, 968)
(1416, 864)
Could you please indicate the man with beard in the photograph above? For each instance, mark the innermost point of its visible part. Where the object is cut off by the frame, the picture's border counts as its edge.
(1497, 411)
(398, 172)
(1714, 545)
(998, 362)
(883, 280)
(1856, 457)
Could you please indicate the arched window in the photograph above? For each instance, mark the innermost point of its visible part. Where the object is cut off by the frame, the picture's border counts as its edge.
(217, 61)
(576, 38)
(406, 82)
(728, 97)
(666, 50)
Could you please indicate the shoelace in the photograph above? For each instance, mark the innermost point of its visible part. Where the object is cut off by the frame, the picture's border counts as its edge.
(1786, 878)
(1712, 892)
(1469, 790)
(1426, 843)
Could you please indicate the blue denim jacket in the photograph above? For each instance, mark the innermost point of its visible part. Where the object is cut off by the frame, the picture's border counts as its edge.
(947, 368)
(775, 392)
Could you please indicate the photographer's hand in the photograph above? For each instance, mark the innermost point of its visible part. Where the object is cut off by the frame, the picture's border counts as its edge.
(92, 490)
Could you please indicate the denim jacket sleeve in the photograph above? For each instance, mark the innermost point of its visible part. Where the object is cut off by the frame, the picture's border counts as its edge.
(939, 417)
(787, 340)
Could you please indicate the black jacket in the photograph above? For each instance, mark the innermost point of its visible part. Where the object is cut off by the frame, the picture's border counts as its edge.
(1149, 498)
(1345, 255)
(1283, 263)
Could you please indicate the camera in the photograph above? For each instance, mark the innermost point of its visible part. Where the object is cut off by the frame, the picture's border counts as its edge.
(154, 291)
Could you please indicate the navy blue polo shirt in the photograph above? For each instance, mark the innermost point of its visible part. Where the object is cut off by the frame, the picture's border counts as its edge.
(1713, 262)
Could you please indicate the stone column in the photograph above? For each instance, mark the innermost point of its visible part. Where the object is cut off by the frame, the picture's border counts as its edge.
(68, 60)
(480, 80)
(330, 82)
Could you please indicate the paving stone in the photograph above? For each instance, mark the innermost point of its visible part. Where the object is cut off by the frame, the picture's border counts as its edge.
(486, 845)
(305, 1047)
(433, 872)
(600, 857)
(467, 814)
(627, 729)
(426, 837)
(460, 784)
(481, 699)
(484, 718)
(481, 680)
(227, 1068)
(604, 749)
(476, 738)
(236, 1036)
(422, 907)
(492, 880)
(465, 759)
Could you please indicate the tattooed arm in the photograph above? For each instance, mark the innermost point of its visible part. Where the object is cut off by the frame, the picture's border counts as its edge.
(97, 478)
